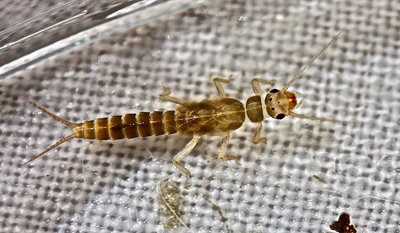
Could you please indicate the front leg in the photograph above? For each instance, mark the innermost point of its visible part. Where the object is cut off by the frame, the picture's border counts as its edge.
(222, 150)
(182, 154)
(217, 83)
(257, 134)
(256, 84)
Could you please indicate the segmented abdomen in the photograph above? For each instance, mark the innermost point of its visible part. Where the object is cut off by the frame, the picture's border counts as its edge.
(133, 125)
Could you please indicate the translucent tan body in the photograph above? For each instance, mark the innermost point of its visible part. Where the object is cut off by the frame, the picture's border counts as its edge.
(218, 115)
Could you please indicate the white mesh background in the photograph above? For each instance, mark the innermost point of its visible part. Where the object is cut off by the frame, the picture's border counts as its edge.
(92, 186)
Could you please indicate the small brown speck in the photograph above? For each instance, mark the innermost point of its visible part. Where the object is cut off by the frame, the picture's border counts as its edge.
(102, 52)
(319, 178)
(342, 225)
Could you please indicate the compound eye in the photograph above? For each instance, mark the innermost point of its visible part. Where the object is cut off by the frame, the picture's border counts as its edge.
(274, 91)
(280, 116)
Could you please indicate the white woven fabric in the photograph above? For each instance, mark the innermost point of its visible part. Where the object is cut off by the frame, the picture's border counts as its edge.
(92, 186)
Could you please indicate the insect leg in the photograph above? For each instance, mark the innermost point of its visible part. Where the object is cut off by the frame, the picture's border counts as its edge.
(222, 151)
(256, 84)
(217, 83)
(182, 154)
(257, 133)
(165, 96)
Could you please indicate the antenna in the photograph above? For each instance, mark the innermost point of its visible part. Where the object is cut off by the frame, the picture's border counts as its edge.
(302, 70)
(318, 118)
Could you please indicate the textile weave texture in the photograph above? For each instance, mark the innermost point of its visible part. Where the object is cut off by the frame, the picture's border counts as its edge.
(307, 174)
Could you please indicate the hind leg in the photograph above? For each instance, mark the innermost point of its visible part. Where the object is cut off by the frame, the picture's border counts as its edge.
(182, 154)
(166, 96)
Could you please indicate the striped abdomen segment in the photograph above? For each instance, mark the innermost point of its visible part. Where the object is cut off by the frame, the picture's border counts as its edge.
(142, 124)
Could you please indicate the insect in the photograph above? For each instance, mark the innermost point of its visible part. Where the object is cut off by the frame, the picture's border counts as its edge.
(218, 115)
